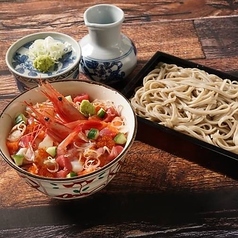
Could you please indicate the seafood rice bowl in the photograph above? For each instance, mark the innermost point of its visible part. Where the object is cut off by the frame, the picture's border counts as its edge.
(67, 139)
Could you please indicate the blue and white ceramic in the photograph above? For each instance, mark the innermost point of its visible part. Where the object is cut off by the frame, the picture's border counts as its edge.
(25, 73)
(108, 56)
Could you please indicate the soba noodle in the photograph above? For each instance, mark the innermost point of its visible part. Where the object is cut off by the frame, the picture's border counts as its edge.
(191, 101)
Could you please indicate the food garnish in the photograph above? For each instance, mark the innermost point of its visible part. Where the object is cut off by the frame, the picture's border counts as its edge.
(46, 52)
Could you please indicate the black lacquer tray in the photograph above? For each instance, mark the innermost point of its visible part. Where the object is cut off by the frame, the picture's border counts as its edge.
(175, 142)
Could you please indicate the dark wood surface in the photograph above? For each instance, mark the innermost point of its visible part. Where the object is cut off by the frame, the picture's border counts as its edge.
(156, 193)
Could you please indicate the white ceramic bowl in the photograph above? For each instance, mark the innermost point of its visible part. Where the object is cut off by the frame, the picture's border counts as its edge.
(76, 187)
(22, 68)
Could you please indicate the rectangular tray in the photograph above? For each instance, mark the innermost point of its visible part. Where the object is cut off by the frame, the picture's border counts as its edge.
(177, 143)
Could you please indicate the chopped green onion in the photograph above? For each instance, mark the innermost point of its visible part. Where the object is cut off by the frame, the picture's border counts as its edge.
(120, 139)
(93, 134)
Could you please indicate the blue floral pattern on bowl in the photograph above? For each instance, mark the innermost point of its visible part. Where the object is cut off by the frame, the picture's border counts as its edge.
(24, 65)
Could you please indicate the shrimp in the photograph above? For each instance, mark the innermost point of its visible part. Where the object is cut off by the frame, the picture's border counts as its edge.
(62, 147)
(63, 107)
(56, 130)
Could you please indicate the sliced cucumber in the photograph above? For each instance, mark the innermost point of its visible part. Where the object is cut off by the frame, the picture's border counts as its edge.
(93, 134)
(101, 113)
(120, 139)
(52, 150)
(18, 159)
(87, 108)
(71, 174)
(19, 118)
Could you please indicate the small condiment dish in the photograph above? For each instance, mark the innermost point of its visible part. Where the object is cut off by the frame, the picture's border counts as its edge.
(23, 70)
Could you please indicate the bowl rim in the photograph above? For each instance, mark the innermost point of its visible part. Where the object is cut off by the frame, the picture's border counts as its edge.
(114, 161)
(34, 36)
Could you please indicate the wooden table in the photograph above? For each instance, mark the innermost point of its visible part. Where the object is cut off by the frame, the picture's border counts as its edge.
(156, 194)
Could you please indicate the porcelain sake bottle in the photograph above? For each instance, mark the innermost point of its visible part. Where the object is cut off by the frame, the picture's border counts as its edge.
(108, 56)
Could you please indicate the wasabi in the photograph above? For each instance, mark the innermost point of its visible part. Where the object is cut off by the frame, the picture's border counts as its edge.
(46, 52)
(43, 63)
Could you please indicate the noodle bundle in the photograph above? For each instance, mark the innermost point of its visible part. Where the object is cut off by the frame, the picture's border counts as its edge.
(191, 101)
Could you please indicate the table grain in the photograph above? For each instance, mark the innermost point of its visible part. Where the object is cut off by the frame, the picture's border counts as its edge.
(156, 193)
